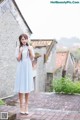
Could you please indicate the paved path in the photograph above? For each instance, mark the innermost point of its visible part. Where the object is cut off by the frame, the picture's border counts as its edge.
(47, 106)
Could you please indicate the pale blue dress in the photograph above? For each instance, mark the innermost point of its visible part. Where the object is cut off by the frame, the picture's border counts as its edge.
(24, 73)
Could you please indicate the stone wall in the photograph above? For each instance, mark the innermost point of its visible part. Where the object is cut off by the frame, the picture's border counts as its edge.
(42, 77)
(9, 32)
(50, 64)
(57, 74)
(69, 67)
(40, 70)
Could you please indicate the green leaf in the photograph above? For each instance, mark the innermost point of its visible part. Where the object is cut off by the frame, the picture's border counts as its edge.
(2, 102)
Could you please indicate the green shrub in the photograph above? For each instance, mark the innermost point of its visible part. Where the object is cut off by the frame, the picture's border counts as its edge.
(77, 87)
(2, 102)
(65, 85)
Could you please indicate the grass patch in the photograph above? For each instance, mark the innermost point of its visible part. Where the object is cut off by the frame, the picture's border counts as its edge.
(2, 102)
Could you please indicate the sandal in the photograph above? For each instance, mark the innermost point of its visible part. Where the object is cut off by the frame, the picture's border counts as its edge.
(22, 112)
(26, 110)
(22, 109)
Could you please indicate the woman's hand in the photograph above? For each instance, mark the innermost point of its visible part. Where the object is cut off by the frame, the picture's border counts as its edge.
(21, 49)
(20, 54)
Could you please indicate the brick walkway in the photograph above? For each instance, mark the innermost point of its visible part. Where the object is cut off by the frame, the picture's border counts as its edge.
(47, 106)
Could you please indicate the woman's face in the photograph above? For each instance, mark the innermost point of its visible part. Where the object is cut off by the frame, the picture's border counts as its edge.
(24, 41)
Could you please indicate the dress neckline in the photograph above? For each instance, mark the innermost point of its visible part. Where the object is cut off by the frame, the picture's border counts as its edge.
(24, 46)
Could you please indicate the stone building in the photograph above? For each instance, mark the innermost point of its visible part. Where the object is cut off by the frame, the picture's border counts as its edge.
(12, 24)
(65, 61)
(64, 67)
(45, 63)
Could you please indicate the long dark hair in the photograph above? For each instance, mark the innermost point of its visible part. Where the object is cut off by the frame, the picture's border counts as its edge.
(20, 37)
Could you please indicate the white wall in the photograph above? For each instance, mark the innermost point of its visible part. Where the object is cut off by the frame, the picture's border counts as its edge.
(69, 67)
(40, 70)
(51, 62)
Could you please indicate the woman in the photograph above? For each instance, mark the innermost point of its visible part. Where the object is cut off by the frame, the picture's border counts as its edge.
(24, 75)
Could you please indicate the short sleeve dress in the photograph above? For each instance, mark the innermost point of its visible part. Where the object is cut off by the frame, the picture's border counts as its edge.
(24, 73)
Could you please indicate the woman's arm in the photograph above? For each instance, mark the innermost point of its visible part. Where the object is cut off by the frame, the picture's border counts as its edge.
(19, 56)
(19, 53)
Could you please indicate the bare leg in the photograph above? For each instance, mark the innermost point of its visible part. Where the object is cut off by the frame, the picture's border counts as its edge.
(21, 102)
(26, 102)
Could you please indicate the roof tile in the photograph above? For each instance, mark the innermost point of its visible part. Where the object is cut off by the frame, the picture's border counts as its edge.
(61, 58)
